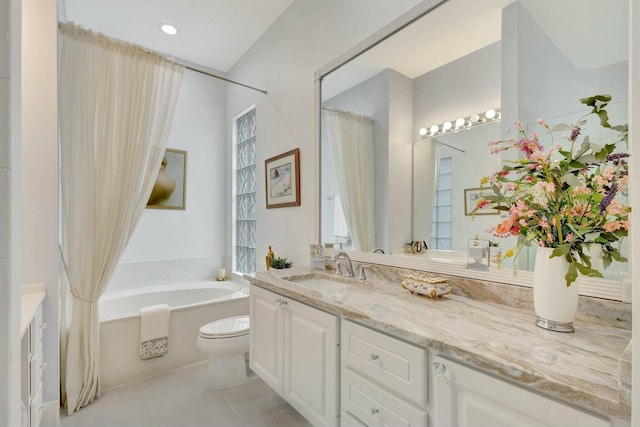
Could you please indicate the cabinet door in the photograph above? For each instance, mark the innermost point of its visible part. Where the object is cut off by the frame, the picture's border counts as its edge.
(265, 338)
(311, 363)
(468, 398)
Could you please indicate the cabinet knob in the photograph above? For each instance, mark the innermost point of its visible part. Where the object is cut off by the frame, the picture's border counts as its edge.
(285, 304)
(439, 369)
(374, 357)
(44, 325)
(375, 412)
(44, 366)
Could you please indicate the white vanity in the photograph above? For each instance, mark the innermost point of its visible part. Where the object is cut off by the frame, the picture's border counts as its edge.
(405, 360)
(32, 366)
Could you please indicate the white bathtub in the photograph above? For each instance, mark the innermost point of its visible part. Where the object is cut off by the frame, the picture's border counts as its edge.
(193, 304)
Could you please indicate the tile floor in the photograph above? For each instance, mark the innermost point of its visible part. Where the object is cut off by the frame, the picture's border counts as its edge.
(179, 399)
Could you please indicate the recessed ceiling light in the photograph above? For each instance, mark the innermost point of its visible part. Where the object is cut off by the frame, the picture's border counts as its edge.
(169, 29)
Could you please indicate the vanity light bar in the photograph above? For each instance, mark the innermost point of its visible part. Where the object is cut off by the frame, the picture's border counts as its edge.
(461, 123)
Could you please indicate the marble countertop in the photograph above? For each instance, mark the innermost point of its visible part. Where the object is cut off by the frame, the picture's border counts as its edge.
(581, 367)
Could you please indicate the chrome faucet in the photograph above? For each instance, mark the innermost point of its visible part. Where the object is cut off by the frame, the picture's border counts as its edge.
(378, 251)
(347, 260)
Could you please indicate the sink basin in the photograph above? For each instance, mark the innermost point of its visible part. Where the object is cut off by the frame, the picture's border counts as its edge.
(319, 283)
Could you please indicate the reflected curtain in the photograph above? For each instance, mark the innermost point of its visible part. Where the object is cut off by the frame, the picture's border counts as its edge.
(117, 102)
(351, 139)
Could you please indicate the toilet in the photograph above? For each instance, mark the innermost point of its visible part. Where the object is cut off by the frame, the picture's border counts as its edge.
(225, 341)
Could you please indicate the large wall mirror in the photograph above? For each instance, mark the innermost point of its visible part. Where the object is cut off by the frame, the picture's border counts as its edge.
(384, 184)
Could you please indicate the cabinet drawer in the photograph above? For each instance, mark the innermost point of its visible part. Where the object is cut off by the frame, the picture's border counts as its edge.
(375, 406)
(349, 420)
(394, 363)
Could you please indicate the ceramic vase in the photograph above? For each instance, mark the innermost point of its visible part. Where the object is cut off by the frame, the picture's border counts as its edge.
(554, 302)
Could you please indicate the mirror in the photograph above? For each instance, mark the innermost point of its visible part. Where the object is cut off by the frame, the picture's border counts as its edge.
(462, 58)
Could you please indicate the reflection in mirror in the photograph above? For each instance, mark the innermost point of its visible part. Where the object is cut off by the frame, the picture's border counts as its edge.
(515, 56)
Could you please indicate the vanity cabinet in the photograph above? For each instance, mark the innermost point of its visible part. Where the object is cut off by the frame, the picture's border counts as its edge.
(383, 380)
(32, 369)
(294, 349)
(468, 398)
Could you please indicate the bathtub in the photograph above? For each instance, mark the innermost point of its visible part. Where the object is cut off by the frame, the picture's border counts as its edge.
(192, 304)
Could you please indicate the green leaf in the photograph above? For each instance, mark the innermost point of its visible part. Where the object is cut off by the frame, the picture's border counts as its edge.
(592, 100)
(576, 164)
(572, 180)
(587, 271)
(604, 118)
(572, 273)
(561, 250)
(560, 127)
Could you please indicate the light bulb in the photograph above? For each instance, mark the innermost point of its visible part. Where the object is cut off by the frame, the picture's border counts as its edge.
(423, 131)
(446, 126)
(169, 29)
(434, 129)
(459, 123)
(475, 118)
(490, 114)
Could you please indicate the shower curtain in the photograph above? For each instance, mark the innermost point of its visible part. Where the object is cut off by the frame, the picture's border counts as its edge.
(351, 139)
(116, 106)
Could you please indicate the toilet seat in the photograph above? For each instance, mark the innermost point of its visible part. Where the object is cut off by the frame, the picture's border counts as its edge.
(226, 328)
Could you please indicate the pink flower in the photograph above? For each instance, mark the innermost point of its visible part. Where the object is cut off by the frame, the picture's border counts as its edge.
(569, 237)
(541, 122)
(543, 223)
(518, 125)
(612, 226)
(534, 135)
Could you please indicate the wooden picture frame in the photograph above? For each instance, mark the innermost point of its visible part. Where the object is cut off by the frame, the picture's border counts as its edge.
(471, 196)
(282, 179)
(170, 188)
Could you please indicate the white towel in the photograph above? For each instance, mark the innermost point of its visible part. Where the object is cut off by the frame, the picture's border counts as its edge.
(340, 228)
(154, 331)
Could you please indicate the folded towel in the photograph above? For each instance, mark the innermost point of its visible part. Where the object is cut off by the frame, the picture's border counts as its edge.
(154, 331)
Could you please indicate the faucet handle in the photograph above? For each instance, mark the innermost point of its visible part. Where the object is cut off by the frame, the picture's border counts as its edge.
(361, 275)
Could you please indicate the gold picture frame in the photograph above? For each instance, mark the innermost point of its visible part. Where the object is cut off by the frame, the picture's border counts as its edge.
(282, 179)
(170, 188)
(471, 196)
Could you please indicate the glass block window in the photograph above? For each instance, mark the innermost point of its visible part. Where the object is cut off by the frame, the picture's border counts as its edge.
(245, 193)
(441, 225)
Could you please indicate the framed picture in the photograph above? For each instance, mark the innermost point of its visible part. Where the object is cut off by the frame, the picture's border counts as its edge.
(282, 178)
(471, 196)
(169, 191)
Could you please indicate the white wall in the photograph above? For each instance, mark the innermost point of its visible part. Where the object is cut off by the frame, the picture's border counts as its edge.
(174, 245)
(306, 37)
(9, 284)
(39, 175)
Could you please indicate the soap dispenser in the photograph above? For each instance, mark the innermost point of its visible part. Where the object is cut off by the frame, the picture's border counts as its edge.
(316, 261)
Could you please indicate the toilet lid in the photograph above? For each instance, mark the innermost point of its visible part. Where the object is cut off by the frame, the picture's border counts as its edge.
(226, 328)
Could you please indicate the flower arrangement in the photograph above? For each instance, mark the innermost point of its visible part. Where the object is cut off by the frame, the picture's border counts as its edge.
(563, 198)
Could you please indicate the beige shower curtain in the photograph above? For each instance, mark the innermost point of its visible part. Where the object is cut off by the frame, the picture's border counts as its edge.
(116, 108)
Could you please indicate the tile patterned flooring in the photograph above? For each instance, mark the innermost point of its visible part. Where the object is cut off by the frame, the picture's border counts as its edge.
(180, 399)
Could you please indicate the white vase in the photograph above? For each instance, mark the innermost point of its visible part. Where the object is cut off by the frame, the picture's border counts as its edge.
(555, 304)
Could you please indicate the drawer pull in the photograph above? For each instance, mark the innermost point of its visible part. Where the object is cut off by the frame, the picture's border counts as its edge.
(375, 412)
(44, 326)
(439, 369)
(374, 357)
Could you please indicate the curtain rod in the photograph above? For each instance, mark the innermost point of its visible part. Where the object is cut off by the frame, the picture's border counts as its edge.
(186, 64)
(206, 73)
